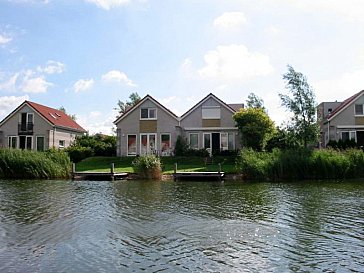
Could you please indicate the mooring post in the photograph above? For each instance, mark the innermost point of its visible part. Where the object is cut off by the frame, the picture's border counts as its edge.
(73, 170)
(219, 171)
(175, 172)
(112, 168)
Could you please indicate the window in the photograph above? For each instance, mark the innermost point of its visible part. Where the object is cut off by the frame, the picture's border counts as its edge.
(359, 110)
(165, 144)
(148, 144)
(193, 141)
(224, 141)
(40, 143)
(346, 136)
(61, 144)
(132, 144)
(207, 141)
(13, 142)
(211, 112)
(231, 141)
(148, 113)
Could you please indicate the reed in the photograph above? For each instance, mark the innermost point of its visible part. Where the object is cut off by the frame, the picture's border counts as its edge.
(300, 164)
(30, 164)
(148, 167)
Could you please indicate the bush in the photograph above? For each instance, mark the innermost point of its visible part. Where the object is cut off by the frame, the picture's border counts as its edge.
(148, 167)
(78, 153)
(29, 164)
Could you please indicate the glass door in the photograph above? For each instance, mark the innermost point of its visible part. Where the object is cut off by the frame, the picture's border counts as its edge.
(148, 144)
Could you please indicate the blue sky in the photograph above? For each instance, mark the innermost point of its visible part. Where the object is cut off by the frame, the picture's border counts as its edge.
(86, 54)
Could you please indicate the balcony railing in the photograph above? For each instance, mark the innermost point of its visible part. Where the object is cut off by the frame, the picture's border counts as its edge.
(25, 128)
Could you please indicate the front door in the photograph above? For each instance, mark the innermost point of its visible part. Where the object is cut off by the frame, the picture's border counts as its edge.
(148, 144)
(360, 138)
(211, 142)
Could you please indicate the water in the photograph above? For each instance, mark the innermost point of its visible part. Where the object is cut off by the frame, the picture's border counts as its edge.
(143, 226)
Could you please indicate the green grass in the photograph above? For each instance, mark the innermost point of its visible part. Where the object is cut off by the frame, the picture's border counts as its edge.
(186, 164)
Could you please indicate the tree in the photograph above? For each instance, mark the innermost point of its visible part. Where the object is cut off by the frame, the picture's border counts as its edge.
(302, 105)
(124, 106)
(254, 101)
(62, 109)
(255, 126)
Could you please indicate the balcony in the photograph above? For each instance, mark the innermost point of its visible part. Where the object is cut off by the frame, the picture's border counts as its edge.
(25, 128)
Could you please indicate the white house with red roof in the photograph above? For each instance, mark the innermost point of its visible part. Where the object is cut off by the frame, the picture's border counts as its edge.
(37, 127)
(150, 128)
(342, 120)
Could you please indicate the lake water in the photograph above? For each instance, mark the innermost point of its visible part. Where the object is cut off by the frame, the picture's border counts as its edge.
(144, 226)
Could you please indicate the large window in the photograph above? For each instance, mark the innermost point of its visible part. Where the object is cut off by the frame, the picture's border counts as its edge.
(165, 144)
(211, 112)
(350, 135)
(193, 141)
(359, 110)
(13, 142)
(148, 113)
(40, 143)
(224, 141)
(132, 144)
(148, 144)
(231, 140)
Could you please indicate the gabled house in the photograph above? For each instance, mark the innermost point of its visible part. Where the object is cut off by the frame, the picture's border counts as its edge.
(209, 125)
(342, 120)
(37, 127)
(150, 128)
(146, 128)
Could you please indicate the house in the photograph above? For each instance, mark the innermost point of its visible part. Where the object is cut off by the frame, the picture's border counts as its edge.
(151, 128)
(342, 120)
(37, 127)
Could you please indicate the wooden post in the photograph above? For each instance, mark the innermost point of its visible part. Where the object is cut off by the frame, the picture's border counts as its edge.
(73, 170)
(220, 171)
(112, 168)
(175, 172)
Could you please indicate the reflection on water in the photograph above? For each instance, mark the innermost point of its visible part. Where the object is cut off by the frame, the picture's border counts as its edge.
(133, 226)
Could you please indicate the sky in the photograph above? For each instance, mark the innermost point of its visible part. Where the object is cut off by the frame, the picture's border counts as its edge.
(85, 55)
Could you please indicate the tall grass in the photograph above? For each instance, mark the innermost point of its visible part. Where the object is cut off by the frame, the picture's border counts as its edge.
(148, 167)
(29, 164)
(301, 164)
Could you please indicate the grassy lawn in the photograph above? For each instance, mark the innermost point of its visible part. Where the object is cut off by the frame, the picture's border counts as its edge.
(186, 164)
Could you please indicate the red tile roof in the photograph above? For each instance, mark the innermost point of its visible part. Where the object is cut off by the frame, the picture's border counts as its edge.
(344, 104)
(56, 117)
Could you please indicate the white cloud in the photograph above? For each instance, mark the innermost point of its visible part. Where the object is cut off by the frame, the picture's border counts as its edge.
(10, 84)
(117, 76)
(234, 62)
(230, 20)
(97, 122)
(52, 67)
(108, 4)
(341, 87)
(4, 39)
(35, 84)
(83, 85)
(8, 104)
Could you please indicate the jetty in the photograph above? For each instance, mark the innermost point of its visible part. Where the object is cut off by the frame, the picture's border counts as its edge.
(219, 175)
(112, 175)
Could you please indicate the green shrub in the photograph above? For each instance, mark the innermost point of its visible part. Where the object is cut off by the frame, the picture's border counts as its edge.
(29, 164)
(78, 153)
(148, 167)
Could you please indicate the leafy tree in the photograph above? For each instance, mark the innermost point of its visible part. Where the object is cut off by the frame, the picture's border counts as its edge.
(255, 126)
(301, 102)
(283, 139)
(124, 106)
(64, 111)
(254, 101)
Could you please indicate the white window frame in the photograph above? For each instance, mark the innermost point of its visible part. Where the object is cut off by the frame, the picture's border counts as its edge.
(148, 144)
(36, 143)
(350, 135)
(203, 142)
(227, 141)
(170, 142)
(359, 115)
(233, 135)
(59, 144)
(10, 142)
(127, 144)
(149, 110)
(198, 140)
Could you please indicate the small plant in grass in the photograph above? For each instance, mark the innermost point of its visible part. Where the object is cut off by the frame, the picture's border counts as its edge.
(148, 167)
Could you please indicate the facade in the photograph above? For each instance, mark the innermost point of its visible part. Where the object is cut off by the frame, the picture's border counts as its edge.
(150, 128)
(37, 127)
(342, 120)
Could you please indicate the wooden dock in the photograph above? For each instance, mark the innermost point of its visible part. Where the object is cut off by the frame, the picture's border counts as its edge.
(198, 175)
(112, 175)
